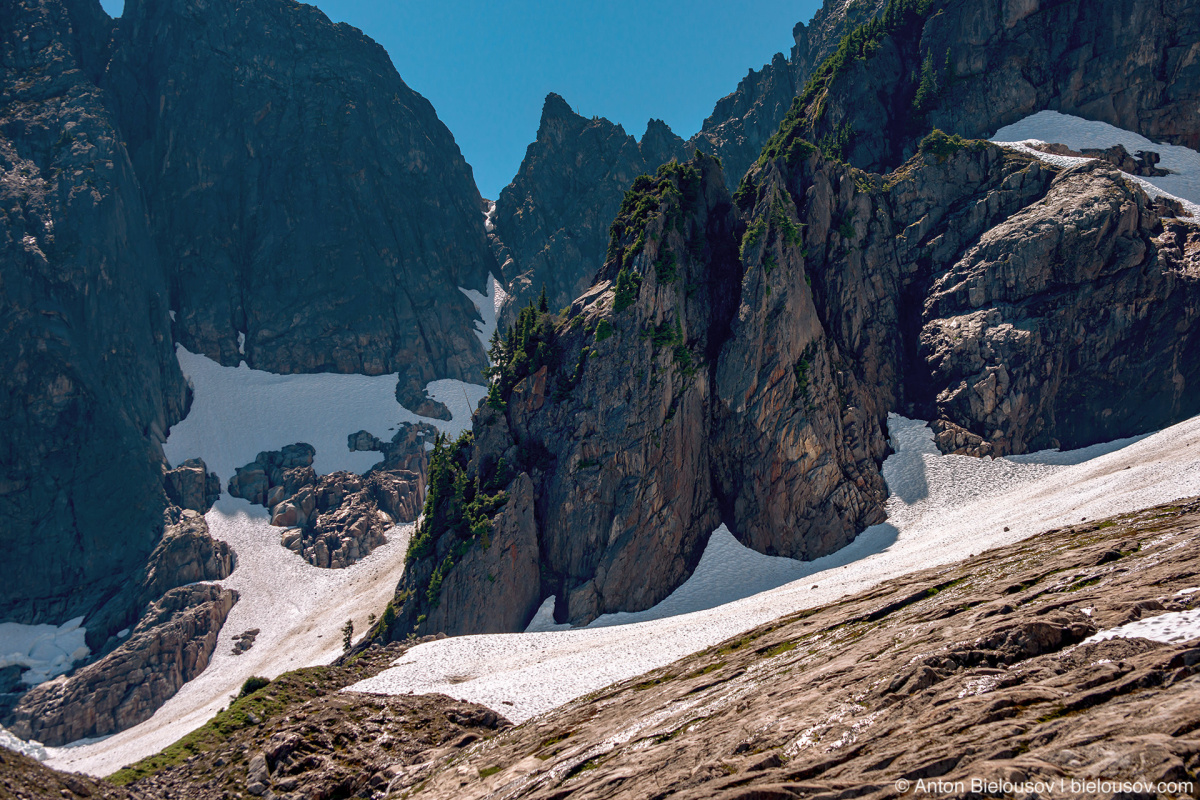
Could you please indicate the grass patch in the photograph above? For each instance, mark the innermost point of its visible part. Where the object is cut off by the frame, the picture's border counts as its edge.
(489, 771)
(286, 691)
(779, 649)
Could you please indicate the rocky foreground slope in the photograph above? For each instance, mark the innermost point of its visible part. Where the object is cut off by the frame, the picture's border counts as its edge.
(972, 670)
(977, 670)
(737, 358)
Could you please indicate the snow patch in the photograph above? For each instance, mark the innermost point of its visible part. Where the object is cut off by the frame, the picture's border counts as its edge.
(489, 309)
(32, 748)
(489, 217)
(1172, 627)
(941, 509)
(238, 412)
(1078, 133)
(43, 651)
(242, 342)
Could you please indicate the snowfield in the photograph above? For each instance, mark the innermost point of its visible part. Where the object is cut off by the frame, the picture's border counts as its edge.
(1172, 628)
(1077, 133)
(298, 608)
(238, 412)
(942, 509)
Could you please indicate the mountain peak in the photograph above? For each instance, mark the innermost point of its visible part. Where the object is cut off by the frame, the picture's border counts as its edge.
(556, 107)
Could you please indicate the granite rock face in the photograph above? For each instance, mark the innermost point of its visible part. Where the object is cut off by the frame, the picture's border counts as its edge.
(552, 221)
(192, 486)
(736, 362)
(171, 644)
(186, 553)
(303, 120)
(1072, 322)
(89, 384)
(971, 67)
(259, 174)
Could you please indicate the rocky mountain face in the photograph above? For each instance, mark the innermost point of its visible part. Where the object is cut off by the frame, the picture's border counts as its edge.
(303, 120)
(867, 86)
(972, 671)
(89, 384)
(666, 400)
(173, 163)
(551, 223)
(171, 618)
(170, 645)
(736, 361)
(743, 121)
(972, 66)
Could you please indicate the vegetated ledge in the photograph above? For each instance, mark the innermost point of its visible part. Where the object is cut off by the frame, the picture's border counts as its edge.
(971, 670)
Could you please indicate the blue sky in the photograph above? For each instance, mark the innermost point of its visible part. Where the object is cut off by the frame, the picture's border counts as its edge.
(487, 67)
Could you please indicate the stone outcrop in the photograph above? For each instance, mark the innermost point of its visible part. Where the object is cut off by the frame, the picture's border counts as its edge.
(334, 520)
(736, 364)
(171, 644)
(185, 554)
(1072, 322)
(303, 120)
(970, 671)
(89, 384)
(1140, 163)
(192, 486)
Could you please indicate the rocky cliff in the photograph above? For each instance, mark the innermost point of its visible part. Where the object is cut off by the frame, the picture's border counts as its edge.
(551, 223)
(301, 120)
(736, 361)
(743, 121)
(866, 81)
(171, 165)
(972, 66)
(89, 384)
(170, 645)
(552, 220)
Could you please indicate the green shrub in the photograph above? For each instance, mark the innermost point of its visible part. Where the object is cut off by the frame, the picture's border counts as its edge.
(604, 330)
(942, 145)
(628, 285)
(252, 685)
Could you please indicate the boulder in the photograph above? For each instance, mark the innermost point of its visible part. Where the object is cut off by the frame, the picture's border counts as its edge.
(171, 644)
(191, 486)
